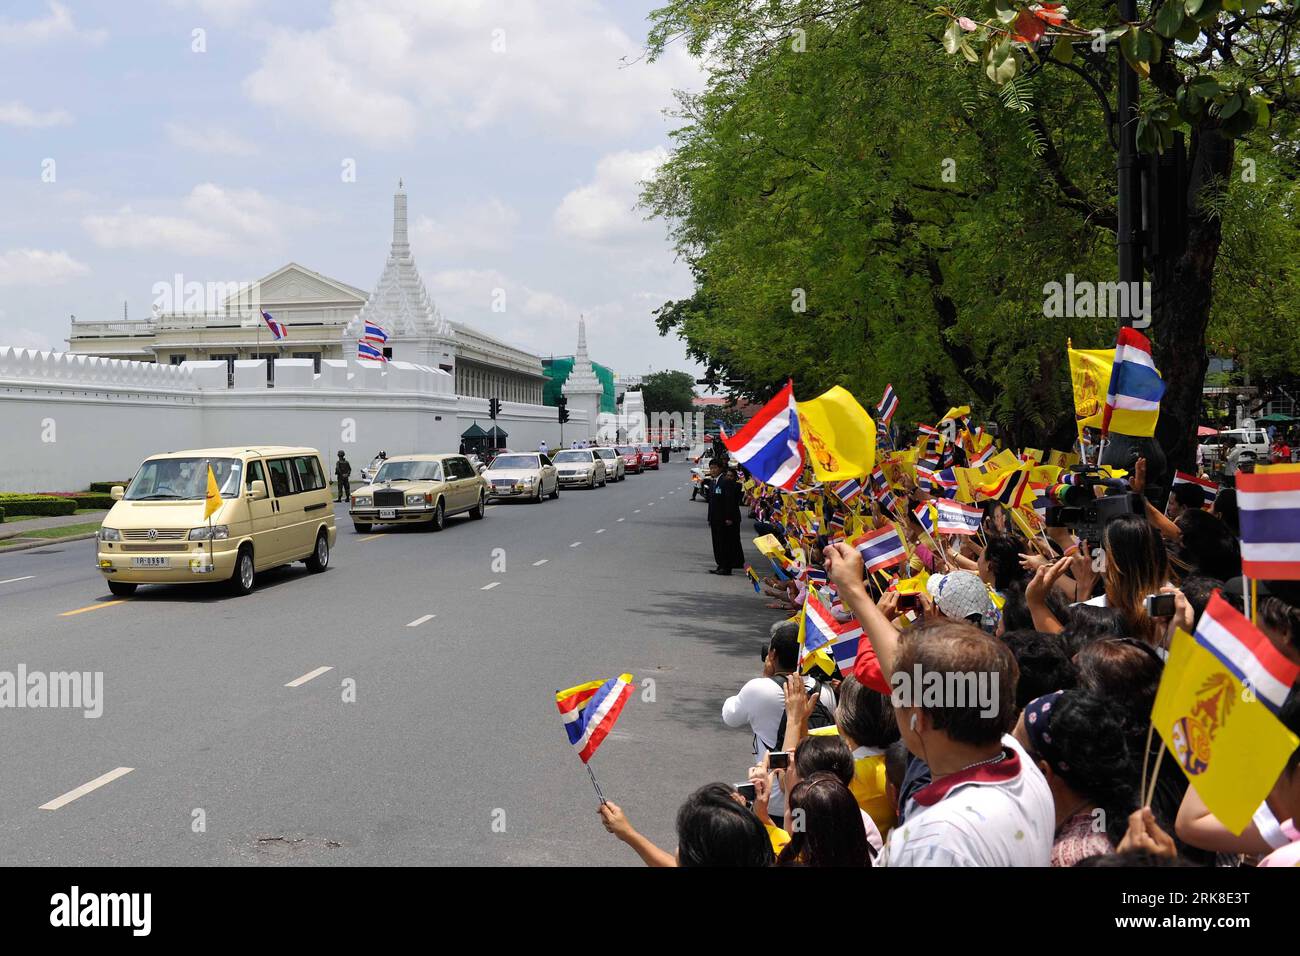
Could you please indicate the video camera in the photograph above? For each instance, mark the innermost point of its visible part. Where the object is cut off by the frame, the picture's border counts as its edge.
(1075, 504)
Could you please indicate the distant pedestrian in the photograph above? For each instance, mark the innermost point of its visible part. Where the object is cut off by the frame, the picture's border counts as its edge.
(342, 472)
(541, 447)
(724, 520)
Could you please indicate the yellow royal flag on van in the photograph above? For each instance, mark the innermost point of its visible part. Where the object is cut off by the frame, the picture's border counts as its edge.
(212, 500)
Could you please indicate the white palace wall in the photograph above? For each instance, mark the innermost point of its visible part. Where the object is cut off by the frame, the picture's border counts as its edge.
(67, 420)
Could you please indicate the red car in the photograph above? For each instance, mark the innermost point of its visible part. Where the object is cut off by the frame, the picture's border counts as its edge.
(632, 463)
(649, 457)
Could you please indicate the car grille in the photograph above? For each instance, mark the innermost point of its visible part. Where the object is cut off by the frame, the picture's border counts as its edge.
(158, 534)
(390, 499)
(148, 548)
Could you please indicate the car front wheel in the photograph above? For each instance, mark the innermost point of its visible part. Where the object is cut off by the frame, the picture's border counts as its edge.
(439, 519)
(243, 577)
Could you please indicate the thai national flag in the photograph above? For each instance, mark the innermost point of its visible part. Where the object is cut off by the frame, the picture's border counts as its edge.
(374, 333)
(820, 627)
(367, 351)
(1269, 504)
(768, 445)
(888, 405)
(1246, 652)
(1135, 385)
(880, 549)
(1209, 489)
(590, 710)
(925, 513)
(958, 518)
(944, 482)
(278, 331)
(847, 491)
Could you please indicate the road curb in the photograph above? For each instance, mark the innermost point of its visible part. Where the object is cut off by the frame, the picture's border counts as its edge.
(46, 541)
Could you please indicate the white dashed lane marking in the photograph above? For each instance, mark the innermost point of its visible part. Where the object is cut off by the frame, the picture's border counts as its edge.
(310, 675)
(420, 620)
(600, 531)
(27, 577)
(85, 788)
(538, 564)
(575, 544)
(489, 587)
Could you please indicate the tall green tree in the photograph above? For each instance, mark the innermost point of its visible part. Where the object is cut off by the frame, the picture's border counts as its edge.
(858, 209)
(668, 391)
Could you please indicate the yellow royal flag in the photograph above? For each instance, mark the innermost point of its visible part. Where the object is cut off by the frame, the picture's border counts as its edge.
(961, 411)
(1226, 741)
(769, 546)
(212, 500)
(838, 434)
(1090, 379)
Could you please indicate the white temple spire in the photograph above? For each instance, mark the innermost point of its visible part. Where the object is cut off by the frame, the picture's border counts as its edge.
(401, 241)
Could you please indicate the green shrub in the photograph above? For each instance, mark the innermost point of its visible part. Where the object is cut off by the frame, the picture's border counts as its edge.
(104, 487)
(95, 500)
(2, 516)
(20, 504)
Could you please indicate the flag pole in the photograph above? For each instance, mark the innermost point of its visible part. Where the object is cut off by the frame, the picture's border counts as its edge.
(1155, 775)
(595, 784)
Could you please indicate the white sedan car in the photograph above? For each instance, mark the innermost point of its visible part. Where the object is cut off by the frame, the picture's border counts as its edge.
(527, 475)
(580, 466)
(615, 470)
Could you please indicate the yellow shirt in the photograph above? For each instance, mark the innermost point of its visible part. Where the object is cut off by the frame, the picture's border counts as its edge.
(868, 784)
(778, 837)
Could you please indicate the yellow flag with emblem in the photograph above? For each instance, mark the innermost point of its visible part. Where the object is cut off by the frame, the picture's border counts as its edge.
(838, 434)
(212, 500)
(1227, 742)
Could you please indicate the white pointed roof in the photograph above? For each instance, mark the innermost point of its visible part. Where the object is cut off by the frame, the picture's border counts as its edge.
(582, 380)
(399, 302)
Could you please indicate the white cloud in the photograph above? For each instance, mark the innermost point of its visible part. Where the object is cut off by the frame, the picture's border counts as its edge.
(225, 11)
(484, 226)
(210, 140)
(211, 220)
(603, 210)
(14, 113)
(37, 267)
(385, 69)
(58, 24)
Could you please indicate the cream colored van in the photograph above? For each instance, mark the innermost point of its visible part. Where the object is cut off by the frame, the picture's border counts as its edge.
(275, 509)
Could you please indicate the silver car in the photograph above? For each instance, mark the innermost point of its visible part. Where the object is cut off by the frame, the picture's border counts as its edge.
(614, 466)
(579, 467)
(527, 475)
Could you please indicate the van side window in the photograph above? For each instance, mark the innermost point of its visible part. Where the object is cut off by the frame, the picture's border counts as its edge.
(281, 480)
(309, 473)
(255, 473)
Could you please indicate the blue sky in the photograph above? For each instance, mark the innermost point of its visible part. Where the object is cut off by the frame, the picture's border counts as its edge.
(519, 133)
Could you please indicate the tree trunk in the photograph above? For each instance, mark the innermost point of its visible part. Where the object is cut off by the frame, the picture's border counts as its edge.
(1182, 291)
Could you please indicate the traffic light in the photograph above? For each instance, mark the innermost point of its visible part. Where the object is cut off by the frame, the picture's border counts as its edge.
(562, 404)
(494, 407)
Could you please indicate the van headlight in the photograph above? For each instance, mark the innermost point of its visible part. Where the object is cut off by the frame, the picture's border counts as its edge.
(361, 501)
(217, 532)
(109, 534)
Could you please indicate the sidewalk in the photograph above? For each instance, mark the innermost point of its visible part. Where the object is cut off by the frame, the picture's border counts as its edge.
(17, 529)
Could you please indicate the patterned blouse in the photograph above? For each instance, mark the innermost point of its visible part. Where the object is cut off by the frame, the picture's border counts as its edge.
(1077, 840)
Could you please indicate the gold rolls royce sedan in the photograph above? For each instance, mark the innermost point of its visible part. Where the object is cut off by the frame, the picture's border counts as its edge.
(275, 509)
(419, 488)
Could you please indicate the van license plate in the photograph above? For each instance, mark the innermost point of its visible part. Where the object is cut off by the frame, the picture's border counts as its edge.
(387, 512)
(148, 562)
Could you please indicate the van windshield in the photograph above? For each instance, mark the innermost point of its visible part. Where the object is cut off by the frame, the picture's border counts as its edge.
(184, 479)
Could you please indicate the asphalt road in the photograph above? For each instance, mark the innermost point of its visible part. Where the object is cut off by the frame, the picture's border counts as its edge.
(451, 753)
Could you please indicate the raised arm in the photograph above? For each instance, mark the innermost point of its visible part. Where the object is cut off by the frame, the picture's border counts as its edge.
(844, 567)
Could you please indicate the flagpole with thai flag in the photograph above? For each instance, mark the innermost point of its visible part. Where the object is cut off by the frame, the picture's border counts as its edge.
(589, 712)
(768, 445)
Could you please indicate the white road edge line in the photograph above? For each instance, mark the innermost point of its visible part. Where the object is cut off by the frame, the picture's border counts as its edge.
(421, 620)
(489, 587)
(310, 675)
(26, 577)
(538, 564)
(85, 788)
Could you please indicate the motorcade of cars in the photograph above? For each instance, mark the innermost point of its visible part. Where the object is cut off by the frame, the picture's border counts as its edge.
(580, 466)
(529, 475)
(419, 489)
(275, 508)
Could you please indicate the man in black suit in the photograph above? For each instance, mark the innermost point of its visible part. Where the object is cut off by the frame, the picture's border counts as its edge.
(724, 519)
